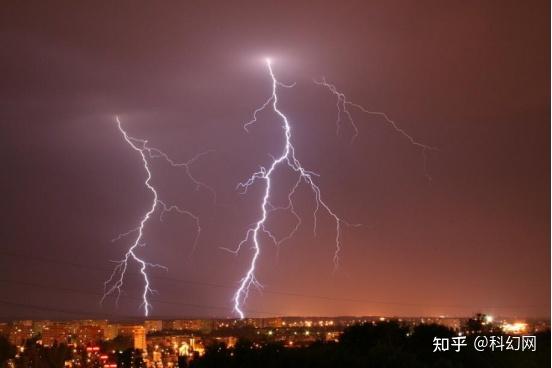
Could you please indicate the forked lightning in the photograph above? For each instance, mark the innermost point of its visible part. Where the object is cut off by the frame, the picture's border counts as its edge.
(289, 159)
(114, 284)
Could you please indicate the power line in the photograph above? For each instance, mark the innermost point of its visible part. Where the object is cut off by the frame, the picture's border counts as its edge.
(275, 292)
(84, 292)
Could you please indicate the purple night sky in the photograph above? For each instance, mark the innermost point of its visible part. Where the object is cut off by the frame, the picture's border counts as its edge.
(471, 78)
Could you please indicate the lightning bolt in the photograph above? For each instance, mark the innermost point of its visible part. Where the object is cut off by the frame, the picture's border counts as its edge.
(343, 104)
(115, 282)
(289, 159)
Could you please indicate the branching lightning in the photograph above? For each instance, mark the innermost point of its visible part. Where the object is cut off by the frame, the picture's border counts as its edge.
(115, 282)
(287, 157)
(343, 104)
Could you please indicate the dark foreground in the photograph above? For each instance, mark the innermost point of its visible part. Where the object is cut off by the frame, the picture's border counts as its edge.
(383, 345)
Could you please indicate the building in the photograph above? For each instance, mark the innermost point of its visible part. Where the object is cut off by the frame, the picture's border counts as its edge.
(202, 325)
(89, 334)
(111, 331)
(127, 329)
(55, 333)
(139, 337)
(153, 325)
(4, 329)
(20, 331)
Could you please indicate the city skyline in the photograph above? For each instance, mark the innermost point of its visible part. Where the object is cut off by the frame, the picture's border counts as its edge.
(185, 342)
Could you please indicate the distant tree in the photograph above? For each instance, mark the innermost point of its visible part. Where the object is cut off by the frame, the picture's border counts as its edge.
(119, 343)
(216, 355)
(130, 358)
(479, 324)
(7, 350)
(56, 355)
(367, 335)
(420, 343)
(182, 362)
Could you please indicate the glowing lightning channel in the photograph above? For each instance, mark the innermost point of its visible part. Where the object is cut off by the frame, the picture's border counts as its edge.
(116, 280)
(287, 157)
(342, 109)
